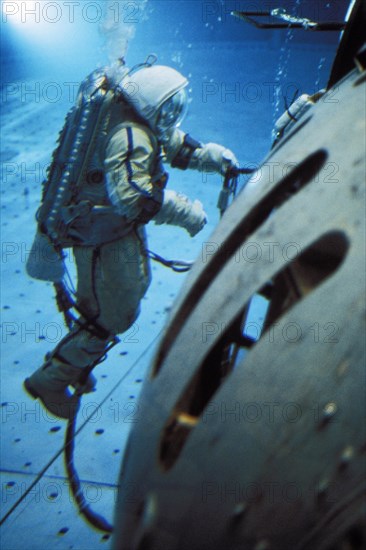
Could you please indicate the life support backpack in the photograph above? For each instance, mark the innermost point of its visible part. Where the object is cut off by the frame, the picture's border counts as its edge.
(74, 161)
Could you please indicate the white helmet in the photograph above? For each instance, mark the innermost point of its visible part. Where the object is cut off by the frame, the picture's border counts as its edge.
(158, 94)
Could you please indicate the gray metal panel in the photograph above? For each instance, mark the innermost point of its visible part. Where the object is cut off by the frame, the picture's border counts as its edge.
(272, 456)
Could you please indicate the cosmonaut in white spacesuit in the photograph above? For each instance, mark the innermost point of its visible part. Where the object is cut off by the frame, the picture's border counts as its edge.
(113, 271)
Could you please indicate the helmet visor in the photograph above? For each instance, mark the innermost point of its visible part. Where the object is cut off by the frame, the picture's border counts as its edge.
(172, 111)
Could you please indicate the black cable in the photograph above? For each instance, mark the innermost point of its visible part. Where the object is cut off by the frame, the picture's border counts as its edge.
(65, 303)
(287, 106)
(96, 520)
(179, 266)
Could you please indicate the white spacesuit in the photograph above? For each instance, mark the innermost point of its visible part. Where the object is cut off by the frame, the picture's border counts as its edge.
(114, 272)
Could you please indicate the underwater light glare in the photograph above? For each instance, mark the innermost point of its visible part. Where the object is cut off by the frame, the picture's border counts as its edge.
(48, 22)
(19, 12)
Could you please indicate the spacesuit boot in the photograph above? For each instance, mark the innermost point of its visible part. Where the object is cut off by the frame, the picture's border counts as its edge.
(81, 386)
(65, 367)
(50, 384)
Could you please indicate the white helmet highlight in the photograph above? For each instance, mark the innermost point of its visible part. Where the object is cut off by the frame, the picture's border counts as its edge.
(157, 93)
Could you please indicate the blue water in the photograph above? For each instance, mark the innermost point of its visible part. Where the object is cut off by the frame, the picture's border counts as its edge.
(239, 77)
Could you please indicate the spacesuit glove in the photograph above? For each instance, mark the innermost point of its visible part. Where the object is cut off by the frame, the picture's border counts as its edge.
(196, 219)
(178, 210)
(215, 158)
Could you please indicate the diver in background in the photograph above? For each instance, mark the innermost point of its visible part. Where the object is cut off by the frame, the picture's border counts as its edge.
(113, 273)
